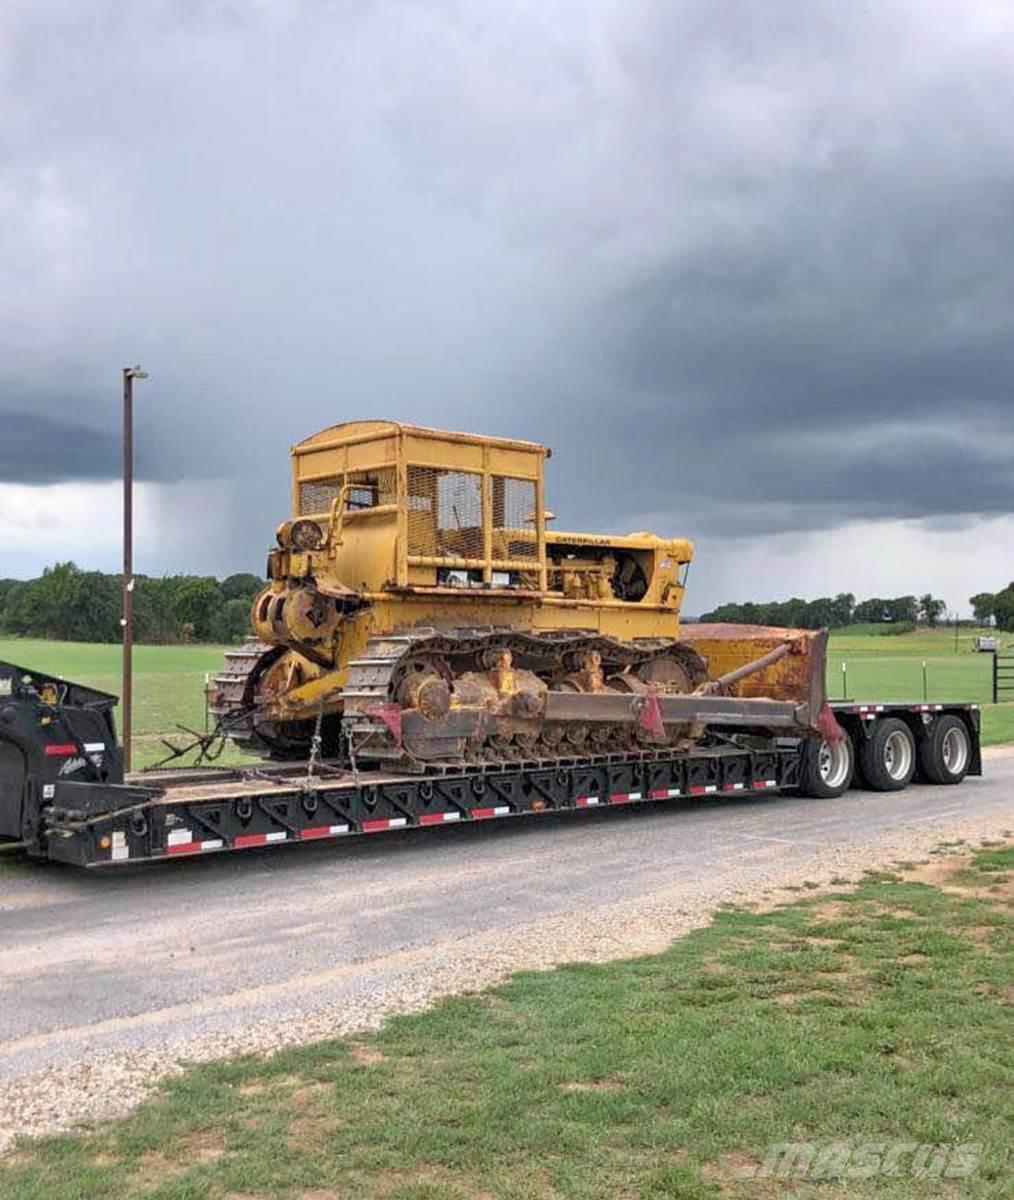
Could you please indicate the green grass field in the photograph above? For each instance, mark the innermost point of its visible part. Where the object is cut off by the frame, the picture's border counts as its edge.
(872, 1018)
(169, 680)
(891, 668)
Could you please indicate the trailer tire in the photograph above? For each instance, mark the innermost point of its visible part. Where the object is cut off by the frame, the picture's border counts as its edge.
(826, 768)
(946, 752)
(888, 756)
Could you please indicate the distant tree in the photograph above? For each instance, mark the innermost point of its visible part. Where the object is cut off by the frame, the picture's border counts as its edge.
(196, 601)
(842, 608)
(1003, 608)
(9, 589)
(241, 587)
(725, 612)
(66, 602)
(870, 612)
(931, 610)
(819, 613)
(232, 621)
(154, 614)
(983, 605)
(903, 608)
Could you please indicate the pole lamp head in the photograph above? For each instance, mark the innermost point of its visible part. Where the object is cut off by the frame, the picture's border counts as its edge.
(134, 372)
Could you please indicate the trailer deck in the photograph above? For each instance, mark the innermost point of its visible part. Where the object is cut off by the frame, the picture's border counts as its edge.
(63, 796)
(168, 814)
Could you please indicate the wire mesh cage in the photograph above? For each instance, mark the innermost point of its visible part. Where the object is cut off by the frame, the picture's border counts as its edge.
(445, 514)
(513, 518)
(368, 489)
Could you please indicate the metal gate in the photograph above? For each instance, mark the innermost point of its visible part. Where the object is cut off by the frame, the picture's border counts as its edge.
(1003, 677)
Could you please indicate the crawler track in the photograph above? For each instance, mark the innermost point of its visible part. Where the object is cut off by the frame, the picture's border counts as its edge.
(374, 681)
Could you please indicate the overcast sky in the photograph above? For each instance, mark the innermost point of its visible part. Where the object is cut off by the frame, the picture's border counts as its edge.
(748, 267)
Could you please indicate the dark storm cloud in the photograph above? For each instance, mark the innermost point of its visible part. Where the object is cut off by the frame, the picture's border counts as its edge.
(37, 449)
(747, 267)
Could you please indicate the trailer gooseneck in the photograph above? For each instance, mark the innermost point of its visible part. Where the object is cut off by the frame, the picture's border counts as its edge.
(63, 795)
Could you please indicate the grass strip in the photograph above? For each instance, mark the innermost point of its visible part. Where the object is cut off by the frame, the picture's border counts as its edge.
(874, 1015)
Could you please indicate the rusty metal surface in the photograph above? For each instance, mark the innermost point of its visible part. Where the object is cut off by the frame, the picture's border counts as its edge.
(798, 677)
(616, 708)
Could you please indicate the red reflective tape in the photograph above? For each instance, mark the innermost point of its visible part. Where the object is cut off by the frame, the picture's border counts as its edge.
(250, 839)
(375, 826)
(61, 749)
(323, 831)
(432, 819)
(619, 798)
(662, 794)
(481, 813)
(201, 847)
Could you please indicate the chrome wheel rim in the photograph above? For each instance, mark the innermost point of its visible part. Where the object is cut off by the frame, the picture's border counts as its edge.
(834, 759)
(955, 750)
(898, 755)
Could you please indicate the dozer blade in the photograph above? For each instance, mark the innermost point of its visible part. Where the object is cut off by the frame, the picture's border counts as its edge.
(759, 677)
(799, 677)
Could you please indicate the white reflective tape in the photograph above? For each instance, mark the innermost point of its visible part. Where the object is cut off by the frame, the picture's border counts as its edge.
(709, 788)
(119, 853)
(338, 828)
(179, 837)
(452, 816)
(278, 836)
(634, 796)
(94, 747)
(214, 844)
(737, 787)
(119, 837)
(502, 811)
(48, 791)
(397, 822)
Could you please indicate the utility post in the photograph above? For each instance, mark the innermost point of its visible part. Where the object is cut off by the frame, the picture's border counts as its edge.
(127, 620)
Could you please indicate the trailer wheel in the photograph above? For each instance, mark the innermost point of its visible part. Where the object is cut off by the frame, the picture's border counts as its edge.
(888, 756)
(826, 769)
(946, 752)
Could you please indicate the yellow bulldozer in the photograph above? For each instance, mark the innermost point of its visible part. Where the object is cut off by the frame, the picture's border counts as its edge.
(421, 611)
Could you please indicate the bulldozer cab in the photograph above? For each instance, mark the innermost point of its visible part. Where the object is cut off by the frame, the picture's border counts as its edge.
(407, 507)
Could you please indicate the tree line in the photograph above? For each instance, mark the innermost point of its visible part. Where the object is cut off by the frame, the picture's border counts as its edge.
(998, 607)
(834, 612)
(72, 605)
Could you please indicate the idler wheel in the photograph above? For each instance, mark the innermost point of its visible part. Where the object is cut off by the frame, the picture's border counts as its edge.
(428, 692)
(433, 698)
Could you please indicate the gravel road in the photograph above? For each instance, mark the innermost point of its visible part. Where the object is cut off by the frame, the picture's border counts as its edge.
(108, 980)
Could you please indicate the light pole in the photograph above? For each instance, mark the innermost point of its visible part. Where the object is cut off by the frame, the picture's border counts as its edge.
(127, 620)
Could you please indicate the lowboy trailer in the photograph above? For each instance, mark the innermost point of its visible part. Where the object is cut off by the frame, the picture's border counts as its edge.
(63, 795)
